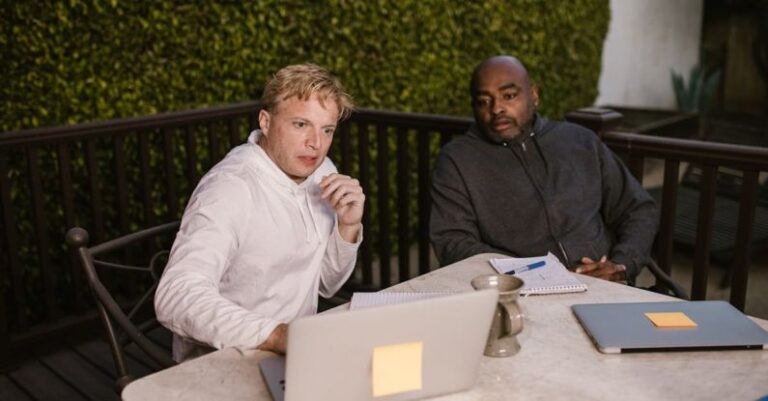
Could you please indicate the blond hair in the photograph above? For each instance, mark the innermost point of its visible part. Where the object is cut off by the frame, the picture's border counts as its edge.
(303, 81)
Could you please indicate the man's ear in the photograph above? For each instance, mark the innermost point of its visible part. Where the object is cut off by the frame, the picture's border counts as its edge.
(264, 120)
(535, 95)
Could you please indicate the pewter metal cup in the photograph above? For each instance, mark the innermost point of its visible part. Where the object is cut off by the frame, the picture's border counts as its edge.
(508, 319)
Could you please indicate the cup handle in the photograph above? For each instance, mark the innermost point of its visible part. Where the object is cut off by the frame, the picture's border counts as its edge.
(513, 319)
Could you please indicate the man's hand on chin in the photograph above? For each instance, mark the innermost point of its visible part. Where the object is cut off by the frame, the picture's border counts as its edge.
(346, 197)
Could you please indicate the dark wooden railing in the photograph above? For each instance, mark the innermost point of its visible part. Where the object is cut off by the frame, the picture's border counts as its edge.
(398, 205)
(119, 176)
(750, 161)
(112, 177)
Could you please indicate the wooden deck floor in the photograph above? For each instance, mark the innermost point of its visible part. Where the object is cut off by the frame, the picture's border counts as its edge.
(79, 370)
(75, 371)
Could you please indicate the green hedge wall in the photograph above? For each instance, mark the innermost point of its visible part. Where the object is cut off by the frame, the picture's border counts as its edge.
(66, 62)
(85, 60)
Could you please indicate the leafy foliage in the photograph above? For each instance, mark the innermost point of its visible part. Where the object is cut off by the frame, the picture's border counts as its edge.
(695, 97)
(73, 61)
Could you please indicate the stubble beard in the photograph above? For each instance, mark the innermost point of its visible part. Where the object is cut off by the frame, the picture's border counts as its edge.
(525, 128)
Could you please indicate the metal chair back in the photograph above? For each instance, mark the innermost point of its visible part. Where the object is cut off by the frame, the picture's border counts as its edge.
(130, 320)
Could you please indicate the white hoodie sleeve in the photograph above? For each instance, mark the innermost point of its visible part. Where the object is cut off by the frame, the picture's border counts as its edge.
(188, 301)
(338, 262)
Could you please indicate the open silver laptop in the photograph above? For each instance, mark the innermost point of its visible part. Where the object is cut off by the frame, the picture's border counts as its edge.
(625, 327)
(331, 355)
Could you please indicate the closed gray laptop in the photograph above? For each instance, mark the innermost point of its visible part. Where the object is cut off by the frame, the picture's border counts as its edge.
(624, 327)
(330, 356)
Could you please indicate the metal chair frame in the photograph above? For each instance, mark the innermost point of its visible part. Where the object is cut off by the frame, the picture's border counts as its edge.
(119, 326)
(664, 282)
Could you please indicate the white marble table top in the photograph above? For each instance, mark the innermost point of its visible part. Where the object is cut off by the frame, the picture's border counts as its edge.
(557, 360)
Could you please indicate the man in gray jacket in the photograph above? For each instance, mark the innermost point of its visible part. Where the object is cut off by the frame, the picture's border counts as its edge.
(519, 184)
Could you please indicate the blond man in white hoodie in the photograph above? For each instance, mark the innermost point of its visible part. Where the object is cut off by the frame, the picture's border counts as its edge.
(268, 228)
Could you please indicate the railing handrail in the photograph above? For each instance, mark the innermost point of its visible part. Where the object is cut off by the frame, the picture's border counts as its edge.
(723, 154)
(187, 143)
(413, 120)
(57, 133)
(179, 118)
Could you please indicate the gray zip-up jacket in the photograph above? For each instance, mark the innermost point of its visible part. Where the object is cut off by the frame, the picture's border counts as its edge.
(558, 189)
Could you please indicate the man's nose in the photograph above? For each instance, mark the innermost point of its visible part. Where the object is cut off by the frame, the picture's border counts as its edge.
(496, 107)
(313, 139)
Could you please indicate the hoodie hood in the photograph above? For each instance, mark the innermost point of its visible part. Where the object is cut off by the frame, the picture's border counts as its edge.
(275, 173)
(301, 193)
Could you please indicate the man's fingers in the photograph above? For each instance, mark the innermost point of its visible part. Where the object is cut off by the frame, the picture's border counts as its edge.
(330, 182)
(601, 272)
(591, 269)
(588, 265)
(605, 270)
(333, 177)
(349, 198)
(336, 184)
(344, 195)
(620, 274)
(330, 179)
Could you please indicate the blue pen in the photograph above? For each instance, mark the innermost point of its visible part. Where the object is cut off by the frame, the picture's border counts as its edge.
(527, 267)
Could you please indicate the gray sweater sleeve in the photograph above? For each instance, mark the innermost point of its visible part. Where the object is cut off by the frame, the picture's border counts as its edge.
(453, 221)
(629, 212)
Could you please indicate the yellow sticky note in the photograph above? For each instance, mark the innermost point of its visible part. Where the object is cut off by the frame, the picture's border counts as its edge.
(675, 320)
(396, 368)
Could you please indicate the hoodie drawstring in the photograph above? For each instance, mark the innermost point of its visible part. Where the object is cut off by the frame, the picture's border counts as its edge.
(305, 209)
(311, 217)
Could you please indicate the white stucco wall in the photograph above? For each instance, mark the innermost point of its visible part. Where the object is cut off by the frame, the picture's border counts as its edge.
(647, 38)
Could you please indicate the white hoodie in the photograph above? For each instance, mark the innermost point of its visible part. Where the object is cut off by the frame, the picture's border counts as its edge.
(253, 251)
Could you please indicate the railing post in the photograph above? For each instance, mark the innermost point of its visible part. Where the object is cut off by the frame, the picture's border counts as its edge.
(595, 118)
(12, 269)
(746, 222)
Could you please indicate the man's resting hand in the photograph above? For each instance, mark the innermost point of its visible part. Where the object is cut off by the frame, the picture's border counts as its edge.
(604, 269)
(277, 340)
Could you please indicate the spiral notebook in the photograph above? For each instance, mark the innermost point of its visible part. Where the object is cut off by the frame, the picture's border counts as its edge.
(549, 277)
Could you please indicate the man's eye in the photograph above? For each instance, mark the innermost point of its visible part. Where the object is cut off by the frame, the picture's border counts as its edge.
(481, 102)
(509, 96)
(299, 124)
(328, 131)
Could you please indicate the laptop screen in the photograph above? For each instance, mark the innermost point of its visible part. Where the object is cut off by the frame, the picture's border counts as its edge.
(396, 352)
